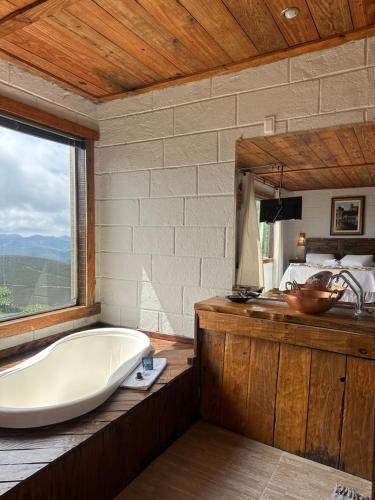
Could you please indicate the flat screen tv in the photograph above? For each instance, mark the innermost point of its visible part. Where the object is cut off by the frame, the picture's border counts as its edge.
(280, 209)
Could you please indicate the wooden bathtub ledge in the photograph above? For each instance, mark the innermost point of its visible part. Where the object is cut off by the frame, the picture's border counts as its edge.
(98, 454)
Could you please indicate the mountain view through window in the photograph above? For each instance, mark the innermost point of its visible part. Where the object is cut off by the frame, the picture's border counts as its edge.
(37, 224)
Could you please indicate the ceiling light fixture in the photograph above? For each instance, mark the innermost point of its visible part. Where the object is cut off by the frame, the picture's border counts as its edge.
(290, 13)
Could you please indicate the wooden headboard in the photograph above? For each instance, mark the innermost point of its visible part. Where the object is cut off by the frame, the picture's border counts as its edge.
(341, 246)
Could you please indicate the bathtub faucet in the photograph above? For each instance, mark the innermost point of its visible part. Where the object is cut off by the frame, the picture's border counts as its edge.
(349, 279)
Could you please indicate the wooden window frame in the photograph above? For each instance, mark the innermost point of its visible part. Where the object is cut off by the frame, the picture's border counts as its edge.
(87, 305)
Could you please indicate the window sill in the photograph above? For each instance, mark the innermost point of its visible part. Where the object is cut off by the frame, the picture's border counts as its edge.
(44, 320)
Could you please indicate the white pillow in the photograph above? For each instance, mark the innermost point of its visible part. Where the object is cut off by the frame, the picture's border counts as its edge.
(357, 260)
(318, 258)
(331, 262)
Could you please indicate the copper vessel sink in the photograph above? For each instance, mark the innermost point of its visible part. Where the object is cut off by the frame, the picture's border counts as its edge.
(312, 301)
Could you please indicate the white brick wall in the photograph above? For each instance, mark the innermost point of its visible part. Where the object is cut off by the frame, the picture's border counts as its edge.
(184, 138)
(47, 96)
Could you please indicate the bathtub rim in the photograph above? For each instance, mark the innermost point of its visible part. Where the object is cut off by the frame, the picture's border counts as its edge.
(109, 386)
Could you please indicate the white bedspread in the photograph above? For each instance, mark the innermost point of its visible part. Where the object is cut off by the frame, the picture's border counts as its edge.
(365, 276)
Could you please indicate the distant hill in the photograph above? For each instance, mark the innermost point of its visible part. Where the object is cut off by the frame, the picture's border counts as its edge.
(44, 247)
(36, 281)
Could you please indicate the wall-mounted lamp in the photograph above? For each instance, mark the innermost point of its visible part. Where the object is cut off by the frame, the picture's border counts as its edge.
(301, 239)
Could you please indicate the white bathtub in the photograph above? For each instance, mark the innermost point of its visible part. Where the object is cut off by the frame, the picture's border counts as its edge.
(70, 377)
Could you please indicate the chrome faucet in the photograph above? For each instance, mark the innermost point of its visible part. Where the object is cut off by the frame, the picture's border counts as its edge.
(344, 274)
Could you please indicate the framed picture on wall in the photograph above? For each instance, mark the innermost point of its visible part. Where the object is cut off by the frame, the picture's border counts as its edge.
(347, 215)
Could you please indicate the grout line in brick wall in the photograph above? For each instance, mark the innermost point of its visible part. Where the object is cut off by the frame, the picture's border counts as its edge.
(289, 70)
(184, 104)
(145, 169)
(170, 197)
(236, 110)
(219, 146)
(99, 145)
(211, 130)
(320, 97)
(366, 46)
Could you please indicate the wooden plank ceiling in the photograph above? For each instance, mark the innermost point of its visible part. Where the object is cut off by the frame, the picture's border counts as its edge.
(336, 157)
(107, 48)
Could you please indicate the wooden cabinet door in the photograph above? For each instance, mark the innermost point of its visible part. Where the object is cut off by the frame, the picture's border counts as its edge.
(235, 381)
(292, 398)
(212, 365)
(263, 368)
(327, 385)
(357, 445)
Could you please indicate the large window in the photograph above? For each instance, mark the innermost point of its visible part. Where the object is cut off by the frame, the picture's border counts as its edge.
(38, 219)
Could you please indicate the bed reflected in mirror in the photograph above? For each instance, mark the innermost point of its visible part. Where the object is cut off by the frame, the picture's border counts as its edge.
(305, 204)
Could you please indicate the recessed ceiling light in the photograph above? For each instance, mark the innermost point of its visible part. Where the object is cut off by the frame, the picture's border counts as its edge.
(290, 13)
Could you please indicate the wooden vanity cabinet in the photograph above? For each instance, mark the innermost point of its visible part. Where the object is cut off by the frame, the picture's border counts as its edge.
(306, 389)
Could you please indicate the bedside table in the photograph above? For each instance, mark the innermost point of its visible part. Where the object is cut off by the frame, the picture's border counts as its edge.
(297, 261)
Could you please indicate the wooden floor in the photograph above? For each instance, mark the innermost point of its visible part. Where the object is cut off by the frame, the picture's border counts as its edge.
(210, 463)
(28, 455)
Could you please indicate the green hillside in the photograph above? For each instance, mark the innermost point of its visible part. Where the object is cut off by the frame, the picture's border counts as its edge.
(19, 270)
(33, 281)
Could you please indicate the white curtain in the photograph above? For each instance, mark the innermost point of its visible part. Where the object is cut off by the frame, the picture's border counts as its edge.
(250, 264)
(278, 253)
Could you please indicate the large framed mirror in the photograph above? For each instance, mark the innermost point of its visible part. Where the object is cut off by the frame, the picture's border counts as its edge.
(305, 203)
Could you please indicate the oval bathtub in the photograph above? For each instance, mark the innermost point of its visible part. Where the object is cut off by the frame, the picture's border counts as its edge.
(70, 377)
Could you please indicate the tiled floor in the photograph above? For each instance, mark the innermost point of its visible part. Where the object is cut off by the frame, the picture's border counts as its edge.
(211, 463)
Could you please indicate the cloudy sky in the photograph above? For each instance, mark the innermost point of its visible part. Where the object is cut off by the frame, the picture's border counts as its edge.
(34, 185)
